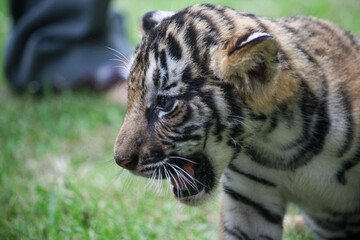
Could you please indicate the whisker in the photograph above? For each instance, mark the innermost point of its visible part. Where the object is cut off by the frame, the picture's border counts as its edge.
(237, 117)
(184, 179)
(177, 185)
(192, 178)
(190, 181)
(116, 176)
(167, 177)
(119, 60)
(182, 158)
(108, 163)
(124, 177)
(187, 182)
(157, 183)
(152, 180)
(236, 143)
(181, 177)
(121, 55)
(130, 179)
(124, 66)
(161, 178)
(238, 120)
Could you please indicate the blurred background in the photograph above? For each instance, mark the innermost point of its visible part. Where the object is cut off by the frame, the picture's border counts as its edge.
(57, 176)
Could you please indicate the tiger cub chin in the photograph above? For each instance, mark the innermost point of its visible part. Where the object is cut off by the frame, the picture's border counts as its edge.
(269, 106)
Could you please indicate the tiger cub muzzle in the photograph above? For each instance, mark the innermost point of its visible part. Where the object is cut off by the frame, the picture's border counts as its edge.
(191, 176)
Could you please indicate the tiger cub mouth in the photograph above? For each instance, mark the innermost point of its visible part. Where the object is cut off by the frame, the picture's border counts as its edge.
(190, 176)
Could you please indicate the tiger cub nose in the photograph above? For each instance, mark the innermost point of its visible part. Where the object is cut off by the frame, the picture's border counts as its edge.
(127, 163)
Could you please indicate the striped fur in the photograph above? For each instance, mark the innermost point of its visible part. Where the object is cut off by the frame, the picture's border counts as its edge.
(270, 106)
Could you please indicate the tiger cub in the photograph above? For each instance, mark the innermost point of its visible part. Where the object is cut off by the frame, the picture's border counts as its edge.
(269, 106)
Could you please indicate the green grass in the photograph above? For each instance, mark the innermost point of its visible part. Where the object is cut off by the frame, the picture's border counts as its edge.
(57, 176)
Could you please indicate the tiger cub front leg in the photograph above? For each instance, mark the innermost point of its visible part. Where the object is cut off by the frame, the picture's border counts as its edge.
(250, 211)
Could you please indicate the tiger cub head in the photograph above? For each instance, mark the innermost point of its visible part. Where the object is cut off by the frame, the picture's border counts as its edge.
(198, 90)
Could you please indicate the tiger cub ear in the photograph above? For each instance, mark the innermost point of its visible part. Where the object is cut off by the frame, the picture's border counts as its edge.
(151, 19)
(249, 62)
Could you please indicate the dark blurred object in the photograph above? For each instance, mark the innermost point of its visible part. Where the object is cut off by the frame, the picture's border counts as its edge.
(64, 44)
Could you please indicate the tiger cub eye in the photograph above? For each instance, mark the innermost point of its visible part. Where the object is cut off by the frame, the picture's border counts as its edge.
(165, 103)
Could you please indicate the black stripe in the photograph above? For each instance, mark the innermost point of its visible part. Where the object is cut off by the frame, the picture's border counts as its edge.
(250, 112)
(208, 98)
(234, 117)
(319, 52)
(353, 39)
(233, 168)
(151, 117)
(156, 77)
(206, 38)
(355, 211)
(321, 129)
(272, 123)
(155, 48)
(190, 38)
(328, 225)
(287, 114)
(174, 48)
(265, 213)
(176, 112)
(297, 46)
(185, 137)
(187, 130)
(237, 128)
(174, 84)
(165, 126)
(308, 105)
(165, 78)
(191, 128)
(212, 35)
(186, 117)
(231, 99)
(157, 35)
(146, 54)
(334, 36)
(163, 62)
(236, 233)
(262, 27)
(237, 150)
(179, 18)
(349, 135)
(167, 143)
(265, 237)
(347, 165)
(208, 6)
(234, 137)
(186, 75)
(193, 89)
(207, 127)
(221, 14)
(336, 227)
(257, 117)
(307, 55)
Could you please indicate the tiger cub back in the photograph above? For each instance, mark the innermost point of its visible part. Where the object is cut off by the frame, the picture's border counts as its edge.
(270, 106)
